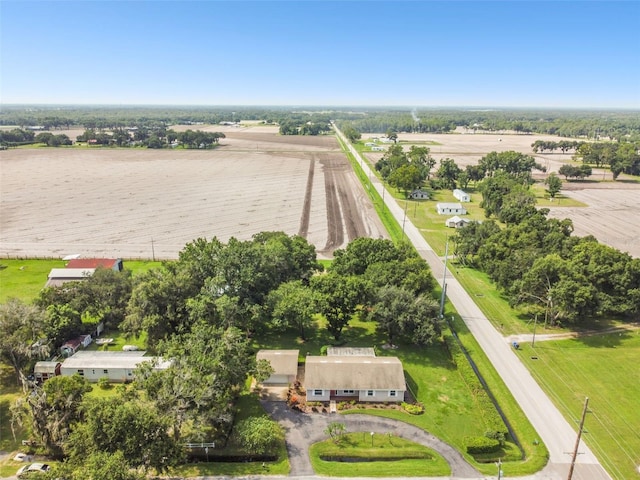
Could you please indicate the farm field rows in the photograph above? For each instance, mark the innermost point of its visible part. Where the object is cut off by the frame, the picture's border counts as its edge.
(136, 203)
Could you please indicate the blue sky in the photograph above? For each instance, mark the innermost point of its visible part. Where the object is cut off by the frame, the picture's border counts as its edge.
(416, 53)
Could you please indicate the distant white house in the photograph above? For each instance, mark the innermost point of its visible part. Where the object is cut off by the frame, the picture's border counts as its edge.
(370, 144)
(450, 209)
(377, 148)
(461, 195)
(419, 194)
(456, 222)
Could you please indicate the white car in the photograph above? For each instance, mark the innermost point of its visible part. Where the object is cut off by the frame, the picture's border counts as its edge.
(27, 470)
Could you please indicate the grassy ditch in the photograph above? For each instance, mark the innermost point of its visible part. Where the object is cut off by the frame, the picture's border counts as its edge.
(364, 455)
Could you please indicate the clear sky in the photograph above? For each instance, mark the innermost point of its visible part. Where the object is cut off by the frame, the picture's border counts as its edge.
(416, 53)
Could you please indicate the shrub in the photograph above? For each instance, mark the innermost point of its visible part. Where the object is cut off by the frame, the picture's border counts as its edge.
(104, 384)
(495, 435)
(413, 408)
(476, 445)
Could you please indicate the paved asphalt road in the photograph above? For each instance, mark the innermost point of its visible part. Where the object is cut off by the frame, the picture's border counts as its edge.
(557, 434)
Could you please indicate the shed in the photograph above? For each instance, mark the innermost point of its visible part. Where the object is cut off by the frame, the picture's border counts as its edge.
(45, 370)
(59, 276)
(419, 194)
(284, 364)
(450, 209)
(461, 195)
(93, 263)
(456, 222)
(70, 347)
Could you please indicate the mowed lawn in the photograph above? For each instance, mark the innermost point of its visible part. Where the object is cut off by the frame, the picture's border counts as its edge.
(605, 368)
(23, 279)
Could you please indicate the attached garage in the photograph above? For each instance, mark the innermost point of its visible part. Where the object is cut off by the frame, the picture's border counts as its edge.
(284, 364)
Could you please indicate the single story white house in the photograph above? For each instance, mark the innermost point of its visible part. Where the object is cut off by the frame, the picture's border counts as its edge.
(419, 194)
(377, 148)
(114, 366)
(451, 209)
(461, 195)
(364, 378)
(284, 364)
(456, 222)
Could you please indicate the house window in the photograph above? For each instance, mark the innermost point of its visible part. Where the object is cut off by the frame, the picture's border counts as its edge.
(317, 393)
(393, 393)
(93, 372)
(369, 393)
(81, 373)
(105, 371)
(348, 392)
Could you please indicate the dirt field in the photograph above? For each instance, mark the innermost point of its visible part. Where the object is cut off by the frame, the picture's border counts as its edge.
(136, 203)
(611, 215)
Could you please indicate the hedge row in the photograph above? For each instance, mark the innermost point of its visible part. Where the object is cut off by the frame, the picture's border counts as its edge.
(477, 445)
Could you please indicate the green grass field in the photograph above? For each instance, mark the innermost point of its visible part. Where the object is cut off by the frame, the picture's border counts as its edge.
(409, 459)
(23, 279)
(605, 369)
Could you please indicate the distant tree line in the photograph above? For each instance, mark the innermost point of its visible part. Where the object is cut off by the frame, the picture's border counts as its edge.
(588, 124)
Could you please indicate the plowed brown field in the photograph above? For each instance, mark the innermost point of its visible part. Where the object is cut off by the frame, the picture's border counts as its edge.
(139, 203)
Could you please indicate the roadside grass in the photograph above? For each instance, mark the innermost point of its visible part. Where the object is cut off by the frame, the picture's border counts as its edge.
(24, 278)
(603, 368)
(398, 457)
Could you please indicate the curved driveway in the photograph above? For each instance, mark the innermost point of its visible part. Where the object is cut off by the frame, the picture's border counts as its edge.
(557, 434)
(303, 430)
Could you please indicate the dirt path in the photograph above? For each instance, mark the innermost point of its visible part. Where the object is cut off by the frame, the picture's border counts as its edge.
(528, 337)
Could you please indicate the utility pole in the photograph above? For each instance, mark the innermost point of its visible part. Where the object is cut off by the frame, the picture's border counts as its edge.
(575, 449)
(535, 322)
(499, 465)
(405, 217)
(444, 278)
(153, 251)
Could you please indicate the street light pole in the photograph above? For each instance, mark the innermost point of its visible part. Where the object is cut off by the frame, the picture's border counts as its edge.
(405, 216)
(499, 464)
(535, 322)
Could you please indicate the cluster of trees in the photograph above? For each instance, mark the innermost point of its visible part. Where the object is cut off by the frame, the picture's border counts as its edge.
(402, 121)
(151, 138)
(200, 313)
(564, 145)
(52, 140)
(549, 272)
(291, 127)
(622, 157)
(406, 170)
(575, 171)
(496, 174)
(16, 136)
